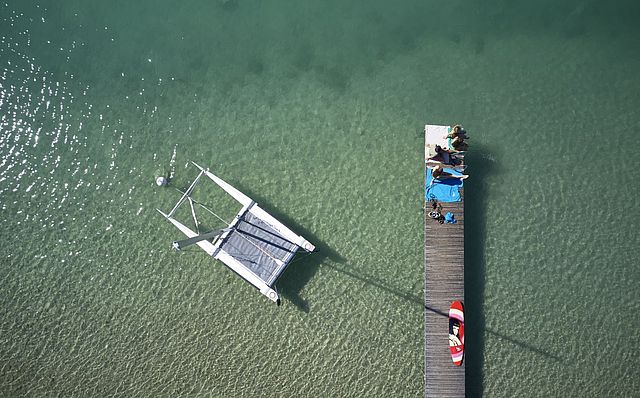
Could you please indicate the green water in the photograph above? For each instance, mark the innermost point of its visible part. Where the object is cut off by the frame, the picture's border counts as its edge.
(315, 110)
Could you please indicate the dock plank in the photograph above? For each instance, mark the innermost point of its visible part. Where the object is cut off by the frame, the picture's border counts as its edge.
(444, 283)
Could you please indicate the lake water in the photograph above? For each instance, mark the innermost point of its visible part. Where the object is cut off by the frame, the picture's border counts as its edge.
(315, 109)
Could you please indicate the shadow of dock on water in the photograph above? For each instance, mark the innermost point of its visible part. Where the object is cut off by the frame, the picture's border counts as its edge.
(481, 165)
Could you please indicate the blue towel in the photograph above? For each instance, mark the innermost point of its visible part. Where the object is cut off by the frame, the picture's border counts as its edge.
(447, 190)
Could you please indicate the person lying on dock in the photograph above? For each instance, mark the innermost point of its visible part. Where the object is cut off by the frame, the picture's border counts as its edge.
(438, 173)
(445, 156)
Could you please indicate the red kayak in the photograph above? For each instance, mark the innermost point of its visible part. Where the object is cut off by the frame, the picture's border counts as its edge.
(456, 332)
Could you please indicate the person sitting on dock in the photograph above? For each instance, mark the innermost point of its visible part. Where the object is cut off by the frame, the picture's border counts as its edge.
(445, 156)
(438, 173)
(458, 135)
(458, 144)
(457, 131)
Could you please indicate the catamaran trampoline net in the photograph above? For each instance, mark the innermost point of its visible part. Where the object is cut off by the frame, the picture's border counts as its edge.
(257, 245)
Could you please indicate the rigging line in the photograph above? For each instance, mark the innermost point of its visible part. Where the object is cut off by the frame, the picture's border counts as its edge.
(186, 193)
(298, 258)
(248, 222)
(268, 242)
(276, 233)
(193, 214)
(240, 234)
(277, 261)
(203, 206)
(210, 211)
(259, 248)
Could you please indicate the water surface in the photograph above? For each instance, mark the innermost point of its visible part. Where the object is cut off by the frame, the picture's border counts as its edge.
(315, 110)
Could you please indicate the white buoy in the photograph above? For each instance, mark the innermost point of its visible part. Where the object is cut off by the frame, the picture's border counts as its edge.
(161, 181)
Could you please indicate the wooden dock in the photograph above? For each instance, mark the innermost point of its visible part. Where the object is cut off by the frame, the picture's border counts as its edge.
(444, 283)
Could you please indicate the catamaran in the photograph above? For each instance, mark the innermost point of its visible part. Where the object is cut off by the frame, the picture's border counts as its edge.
(254, 245)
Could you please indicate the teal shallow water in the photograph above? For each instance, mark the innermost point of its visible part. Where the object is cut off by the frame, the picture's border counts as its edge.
(316, 111)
